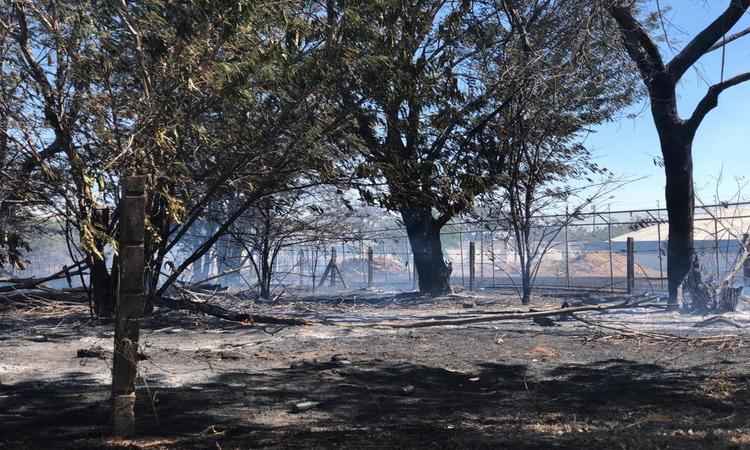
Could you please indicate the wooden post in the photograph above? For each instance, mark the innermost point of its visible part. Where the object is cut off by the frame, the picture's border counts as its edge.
(129, 305)
(369, 266)
(472, 269)
(631, 264)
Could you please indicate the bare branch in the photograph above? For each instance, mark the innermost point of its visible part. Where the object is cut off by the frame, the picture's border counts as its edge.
(711, 99)
(728, 39)
(705, 40)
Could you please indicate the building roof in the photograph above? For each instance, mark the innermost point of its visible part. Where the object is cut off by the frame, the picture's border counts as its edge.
(731, 224)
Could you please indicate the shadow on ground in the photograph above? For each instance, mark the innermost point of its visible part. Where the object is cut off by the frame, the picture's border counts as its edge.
(377, 404)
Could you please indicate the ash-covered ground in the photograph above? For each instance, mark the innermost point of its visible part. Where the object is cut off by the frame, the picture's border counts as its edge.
(628, 378)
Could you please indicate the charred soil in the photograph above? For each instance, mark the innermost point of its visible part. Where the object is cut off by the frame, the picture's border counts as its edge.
(340, 383)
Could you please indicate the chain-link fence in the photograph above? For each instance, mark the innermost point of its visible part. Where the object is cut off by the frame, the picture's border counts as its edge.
(585, 251)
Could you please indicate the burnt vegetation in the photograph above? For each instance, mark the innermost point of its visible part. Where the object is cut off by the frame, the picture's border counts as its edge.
(201, 204)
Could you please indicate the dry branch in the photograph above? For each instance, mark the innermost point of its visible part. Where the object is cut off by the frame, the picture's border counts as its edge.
(217, 311)
(623, 331)
(31, 283)
(516, 316)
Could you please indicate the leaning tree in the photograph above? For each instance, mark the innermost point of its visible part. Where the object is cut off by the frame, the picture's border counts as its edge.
(676, 134)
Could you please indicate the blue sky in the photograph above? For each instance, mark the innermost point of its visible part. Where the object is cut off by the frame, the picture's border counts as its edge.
(628, 146)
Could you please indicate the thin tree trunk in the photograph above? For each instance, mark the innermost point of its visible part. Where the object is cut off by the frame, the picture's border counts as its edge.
(265, 280)
(525, 283)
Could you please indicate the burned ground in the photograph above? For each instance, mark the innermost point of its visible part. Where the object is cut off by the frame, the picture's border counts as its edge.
(208, 383)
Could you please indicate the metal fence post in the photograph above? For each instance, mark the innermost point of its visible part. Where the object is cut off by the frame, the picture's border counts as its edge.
(631, 264)
(385, 262)
(363, 261)
(129, 306)
(461, 255)
(746, 264)
(567, 255)
(716, 247)
(301, 267)
(611, 265)
(472, 257)
(331, 266)
(494, 256)
(369, 266)
(481, 257)
(415, 277)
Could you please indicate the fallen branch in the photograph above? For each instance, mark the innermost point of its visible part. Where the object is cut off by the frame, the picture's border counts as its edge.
(217, 311)
(28, 297)
(516, 316)
(629, 332)
(717, 319)
(16, 284)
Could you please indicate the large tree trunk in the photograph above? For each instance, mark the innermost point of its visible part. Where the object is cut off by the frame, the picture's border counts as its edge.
(424, 237)
(678, 166)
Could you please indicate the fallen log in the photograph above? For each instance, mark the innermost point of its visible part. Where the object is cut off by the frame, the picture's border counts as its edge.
(516, 316)
(15, 284)
(218, 311)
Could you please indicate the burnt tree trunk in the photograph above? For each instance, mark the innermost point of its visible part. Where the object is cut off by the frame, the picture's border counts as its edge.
(675, 134)
(424, 236)
(678, 167)
(102, 281)
(525, 283)
(264, 280)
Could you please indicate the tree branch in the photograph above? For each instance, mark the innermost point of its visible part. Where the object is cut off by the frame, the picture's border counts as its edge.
(703, 41)
(728, 39)
(711, 99)
(638, 43)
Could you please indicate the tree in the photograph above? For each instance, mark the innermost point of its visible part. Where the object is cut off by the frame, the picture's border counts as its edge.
(574, 84)
(287, 221)
(676, 134)
(212, 100)
(407, 76)
(415, 77)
